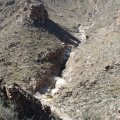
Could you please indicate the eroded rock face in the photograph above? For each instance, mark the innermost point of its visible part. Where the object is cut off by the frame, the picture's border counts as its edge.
(26, 105)
(45, 79)
(38, 13)
(35, 13)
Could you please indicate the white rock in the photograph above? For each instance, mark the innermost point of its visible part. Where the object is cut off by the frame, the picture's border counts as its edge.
(59, 82)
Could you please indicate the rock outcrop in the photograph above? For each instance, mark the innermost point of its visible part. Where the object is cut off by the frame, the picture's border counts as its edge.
(38, 13)
(26, 105)
(45, 79)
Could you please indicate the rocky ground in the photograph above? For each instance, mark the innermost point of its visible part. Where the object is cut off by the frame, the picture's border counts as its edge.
(90, 88)
(92, 71)
(26, 51)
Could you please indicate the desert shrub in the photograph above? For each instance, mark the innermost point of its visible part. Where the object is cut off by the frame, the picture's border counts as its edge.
(10, 113)
(7, 113)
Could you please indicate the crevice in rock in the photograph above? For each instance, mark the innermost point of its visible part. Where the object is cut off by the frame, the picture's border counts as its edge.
(60, 33)
(47, 80)
(66, 56)
(40, 19)
(49, 74)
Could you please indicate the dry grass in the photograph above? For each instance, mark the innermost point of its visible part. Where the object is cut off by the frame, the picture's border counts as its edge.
(7, 113)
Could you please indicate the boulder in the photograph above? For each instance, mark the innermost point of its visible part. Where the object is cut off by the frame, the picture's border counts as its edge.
(38, 13)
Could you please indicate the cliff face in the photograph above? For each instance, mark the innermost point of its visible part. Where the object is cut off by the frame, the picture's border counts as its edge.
(26, 106)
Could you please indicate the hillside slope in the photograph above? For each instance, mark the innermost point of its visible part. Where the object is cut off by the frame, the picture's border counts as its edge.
(92, 71)
(25, 49)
